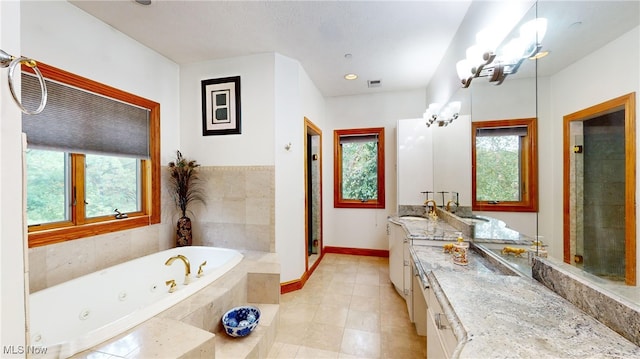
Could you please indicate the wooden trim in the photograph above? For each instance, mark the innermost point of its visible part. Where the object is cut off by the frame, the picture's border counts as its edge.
(338, 201)
(530, 166)
(566, 195)
(151, 192)
(299, 283)
(628, 103)
(384, 253)
(58, 235)
(311, 128)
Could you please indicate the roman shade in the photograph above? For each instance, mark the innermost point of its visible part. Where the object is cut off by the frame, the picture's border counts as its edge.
(358, 138)
(502, 131)
(78, 121)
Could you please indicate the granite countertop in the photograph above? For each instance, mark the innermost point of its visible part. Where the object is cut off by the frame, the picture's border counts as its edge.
(487, 230)
(505, 316)
(419, 228)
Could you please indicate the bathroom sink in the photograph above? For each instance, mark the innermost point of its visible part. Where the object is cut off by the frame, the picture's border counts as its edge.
(474, 219)
(413, 218)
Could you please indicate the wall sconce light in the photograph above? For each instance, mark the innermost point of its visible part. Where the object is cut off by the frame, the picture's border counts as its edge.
(482, 59)
(443, 116)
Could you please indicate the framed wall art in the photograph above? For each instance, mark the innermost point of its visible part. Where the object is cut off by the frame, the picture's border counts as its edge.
(221, 106)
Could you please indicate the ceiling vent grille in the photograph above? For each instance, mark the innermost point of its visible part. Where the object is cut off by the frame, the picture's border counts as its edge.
(374, 83)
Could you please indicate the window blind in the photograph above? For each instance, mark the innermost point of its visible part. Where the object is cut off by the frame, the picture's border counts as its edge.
(78, 121)
(358, 138)
(502, 131)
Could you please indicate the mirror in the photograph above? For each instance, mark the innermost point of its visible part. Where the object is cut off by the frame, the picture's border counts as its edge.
(452, 155)
(593, 59)
(482, 101)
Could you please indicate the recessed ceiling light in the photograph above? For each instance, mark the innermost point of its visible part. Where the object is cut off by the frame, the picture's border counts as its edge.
(350, 76)
(539, 55)
(143, 2)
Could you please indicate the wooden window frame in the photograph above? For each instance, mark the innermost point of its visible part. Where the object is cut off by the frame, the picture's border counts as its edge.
(529, 160)
(338, 201)
(78, 226)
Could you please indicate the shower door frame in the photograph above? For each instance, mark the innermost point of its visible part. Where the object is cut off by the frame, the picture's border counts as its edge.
(626, 103)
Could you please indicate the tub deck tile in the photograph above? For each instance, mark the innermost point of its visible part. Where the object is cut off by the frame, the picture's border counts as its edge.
(155, 338)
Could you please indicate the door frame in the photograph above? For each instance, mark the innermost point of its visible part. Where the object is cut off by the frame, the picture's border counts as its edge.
(626, 103)
(311, 129)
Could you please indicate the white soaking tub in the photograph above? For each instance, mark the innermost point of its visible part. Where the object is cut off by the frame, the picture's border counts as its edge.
(76, 315)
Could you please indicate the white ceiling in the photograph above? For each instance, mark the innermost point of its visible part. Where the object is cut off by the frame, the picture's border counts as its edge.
(400, 43)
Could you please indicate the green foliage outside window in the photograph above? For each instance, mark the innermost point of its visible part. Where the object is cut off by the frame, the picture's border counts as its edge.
(498, 168)
(360, 170)
(46, 187)
(111, 183)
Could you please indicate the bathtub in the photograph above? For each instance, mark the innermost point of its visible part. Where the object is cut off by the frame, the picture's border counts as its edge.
(81, 313)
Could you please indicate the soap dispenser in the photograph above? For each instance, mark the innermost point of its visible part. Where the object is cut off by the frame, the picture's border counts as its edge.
(460, 251)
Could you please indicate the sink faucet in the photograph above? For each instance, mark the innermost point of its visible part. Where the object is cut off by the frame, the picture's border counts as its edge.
(187, 266)
(431, 206)
(448, 207)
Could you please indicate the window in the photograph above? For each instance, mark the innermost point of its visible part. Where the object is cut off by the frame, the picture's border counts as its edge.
(74, 187)
(504, 166)
(359, 168)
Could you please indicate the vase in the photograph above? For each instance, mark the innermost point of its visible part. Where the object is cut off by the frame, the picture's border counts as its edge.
(184, 232)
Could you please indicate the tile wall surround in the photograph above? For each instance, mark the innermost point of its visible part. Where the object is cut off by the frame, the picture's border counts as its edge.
(617, 312)
(240, 208)
(239, 214)
(57, 263)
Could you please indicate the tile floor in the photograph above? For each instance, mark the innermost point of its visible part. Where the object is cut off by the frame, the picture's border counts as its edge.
(347, 309)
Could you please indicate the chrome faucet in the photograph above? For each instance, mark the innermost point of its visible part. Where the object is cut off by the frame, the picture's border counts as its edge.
(187, 266)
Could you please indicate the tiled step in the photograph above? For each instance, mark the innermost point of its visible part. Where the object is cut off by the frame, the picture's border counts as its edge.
(257, 344)
(156, 338)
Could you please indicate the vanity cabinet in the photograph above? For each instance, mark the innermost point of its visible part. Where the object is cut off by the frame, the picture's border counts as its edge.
(420, 288)
(441, 341)
(400, 263)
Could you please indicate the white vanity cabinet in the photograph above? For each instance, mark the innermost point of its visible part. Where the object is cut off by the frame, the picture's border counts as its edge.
(400, 263)
(441, 341)
(420, 288)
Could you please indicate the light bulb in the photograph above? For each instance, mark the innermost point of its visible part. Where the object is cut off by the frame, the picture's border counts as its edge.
(488, 39)
(435, 107)
(455, 107)
(513, 50)
(534, 30)
(475, 56)
(464, 69)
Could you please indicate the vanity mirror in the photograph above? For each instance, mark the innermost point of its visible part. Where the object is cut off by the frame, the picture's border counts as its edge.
(592, 59)
(484, 101)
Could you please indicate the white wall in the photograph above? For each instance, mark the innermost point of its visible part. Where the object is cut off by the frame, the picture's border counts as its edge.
(255, 145)
(364, 228)
(12, 283)
(290, 236)
(579, 86)
(59, 34)
(296, 97)
(276, 95)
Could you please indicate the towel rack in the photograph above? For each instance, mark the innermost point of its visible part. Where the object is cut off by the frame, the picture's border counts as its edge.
(12, 62)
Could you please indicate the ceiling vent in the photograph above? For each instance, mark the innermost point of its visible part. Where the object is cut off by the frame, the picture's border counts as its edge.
(374, 83)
